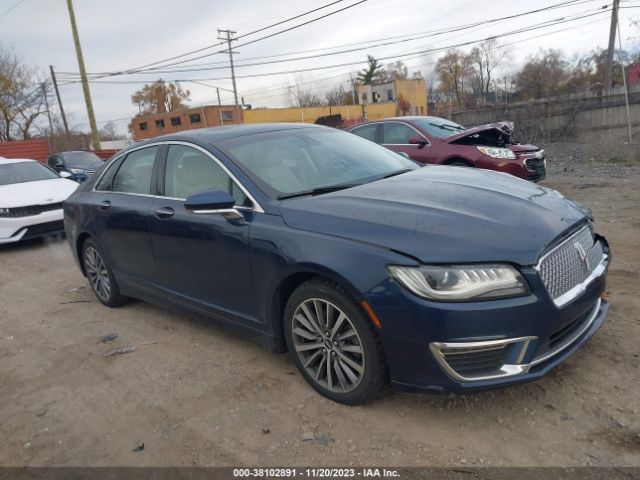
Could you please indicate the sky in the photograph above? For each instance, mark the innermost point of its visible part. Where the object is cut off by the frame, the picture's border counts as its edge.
(118, 35)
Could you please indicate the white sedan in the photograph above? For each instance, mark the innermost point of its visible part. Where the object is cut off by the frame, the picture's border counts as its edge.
(31, 196)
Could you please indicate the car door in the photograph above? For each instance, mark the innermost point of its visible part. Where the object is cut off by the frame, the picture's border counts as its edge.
(204, 259)
(120, 205)
(396, 136)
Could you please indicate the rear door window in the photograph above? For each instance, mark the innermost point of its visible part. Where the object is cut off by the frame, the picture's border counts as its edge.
(135, 172)
(366, 131)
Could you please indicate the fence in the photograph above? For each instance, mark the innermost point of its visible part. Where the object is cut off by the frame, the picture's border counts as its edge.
(38, 149)
(584, 118)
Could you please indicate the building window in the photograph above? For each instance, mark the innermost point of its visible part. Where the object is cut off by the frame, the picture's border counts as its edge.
(144, 126)
(390, 95)
(195, 118)
(159, 123)
(175, 121)
(226, 115)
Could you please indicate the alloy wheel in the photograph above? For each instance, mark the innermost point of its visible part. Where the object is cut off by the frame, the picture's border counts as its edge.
(328, 345)
(97, 273)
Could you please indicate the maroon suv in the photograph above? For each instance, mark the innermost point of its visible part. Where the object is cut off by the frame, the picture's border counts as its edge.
(436, 140)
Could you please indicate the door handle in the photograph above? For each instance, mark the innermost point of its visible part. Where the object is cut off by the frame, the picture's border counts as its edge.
(105, 205)
(165, 212)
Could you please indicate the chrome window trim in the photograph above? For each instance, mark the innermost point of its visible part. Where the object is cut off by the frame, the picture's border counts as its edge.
(257, 208)
(114, 161)
(404, 144)
(578, 289)
(509, 370)
(368, 124)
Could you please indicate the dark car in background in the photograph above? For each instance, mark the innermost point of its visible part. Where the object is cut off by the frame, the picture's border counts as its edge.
(361, 264)
(440, 141)
(80, 164)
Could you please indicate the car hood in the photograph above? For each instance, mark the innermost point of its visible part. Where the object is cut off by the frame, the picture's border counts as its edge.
(503, 128)
(41, 192)
(443, 214)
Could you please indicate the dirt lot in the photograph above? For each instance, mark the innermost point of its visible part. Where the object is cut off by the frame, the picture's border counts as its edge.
(197, 396)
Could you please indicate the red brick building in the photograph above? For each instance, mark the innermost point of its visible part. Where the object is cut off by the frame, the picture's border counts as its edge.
(149, 126)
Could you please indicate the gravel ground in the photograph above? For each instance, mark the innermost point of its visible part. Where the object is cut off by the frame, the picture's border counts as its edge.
(197, 396)
(621, 161)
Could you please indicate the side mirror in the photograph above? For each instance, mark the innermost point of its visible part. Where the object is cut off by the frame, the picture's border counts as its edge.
(213, 201)
(65, 174)
(417, 141)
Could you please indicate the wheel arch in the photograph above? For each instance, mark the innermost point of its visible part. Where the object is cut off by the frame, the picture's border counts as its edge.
(450, 160)
(288, 285)
(79, 244)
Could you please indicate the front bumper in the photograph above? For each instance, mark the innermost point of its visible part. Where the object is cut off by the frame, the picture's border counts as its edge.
(440, 347)
(23, 228)
(524, 166)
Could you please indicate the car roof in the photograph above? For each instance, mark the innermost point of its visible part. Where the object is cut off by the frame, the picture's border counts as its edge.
(214, 134)
(16, 160)
(408, 118)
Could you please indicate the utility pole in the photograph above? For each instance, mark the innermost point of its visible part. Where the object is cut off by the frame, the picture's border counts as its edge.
(229, 39)
(626, 89)
(95, 138)
(612, 45)
(46, 104)
(218, 92)
(62, 114)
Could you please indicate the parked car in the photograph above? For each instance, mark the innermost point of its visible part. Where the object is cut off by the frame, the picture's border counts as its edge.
(436, 140)
(358, 262)
(80, 164)
(31, 196)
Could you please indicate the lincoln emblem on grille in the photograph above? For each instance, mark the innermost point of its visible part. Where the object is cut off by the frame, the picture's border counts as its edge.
(583, 255)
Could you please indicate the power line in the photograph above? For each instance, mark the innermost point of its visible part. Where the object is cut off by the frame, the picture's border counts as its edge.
(132, 70)
(415, 54)
(10, 9)
(393, 42)
(162, 69)
(262, 38)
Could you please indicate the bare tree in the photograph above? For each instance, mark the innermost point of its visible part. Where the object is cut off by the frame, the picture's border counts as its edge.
(394, 71)
(453, 69)
(484, 59)
(110, 132)
(21, 97)
(303, 97)
(335, 95)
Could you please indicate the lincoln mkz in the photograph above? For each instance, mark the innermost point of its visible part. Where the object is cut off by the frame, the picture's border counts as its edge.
(362, 265)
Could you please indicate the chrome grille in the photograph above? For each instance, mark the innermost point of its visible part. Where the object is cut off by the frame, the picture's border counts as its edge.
(30, 210)
(570, 263)
(91, 171)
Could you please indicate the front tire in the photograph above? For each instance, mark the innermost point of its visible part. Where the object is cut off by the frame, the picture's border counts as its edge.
(333, 344)
(100, 276)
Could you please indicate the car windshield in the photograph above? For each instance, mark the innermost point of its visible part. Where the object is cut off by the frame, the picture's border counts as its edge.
(21, 172)
(311, 161)
(438, 127)
(73, 159)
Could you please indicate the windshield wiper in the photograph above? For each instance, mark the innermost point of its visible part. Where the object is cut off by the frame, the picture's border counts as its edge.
(318, 190)
(397, 172)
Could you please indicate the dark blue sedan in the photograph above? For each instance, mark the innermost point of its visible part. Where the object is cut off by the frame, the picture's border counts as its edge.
(362, 265)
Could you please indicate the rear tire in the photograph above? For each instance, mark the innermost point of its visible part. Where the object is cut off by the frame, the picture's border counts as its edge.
(100, 276)
(333, 343)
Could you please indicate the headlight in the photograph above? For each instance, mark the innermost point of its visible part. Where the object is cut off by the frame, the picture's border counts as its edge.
(4, 212)
(459, 283)
(76, 170)
(497, 152)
